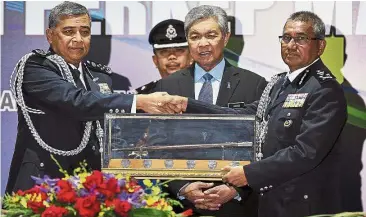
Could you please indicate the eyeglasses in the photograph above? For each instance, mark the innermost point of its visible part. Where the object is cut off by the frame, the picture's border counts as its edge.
(300, 40)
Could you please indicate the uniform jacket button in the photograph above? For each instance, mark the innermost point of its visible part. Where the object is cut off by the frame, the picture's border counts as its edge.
(270, 186)
(41, 164)
(110, 110)
(306, 196)
(116, 110)
(266, 188)
(93, 147)
(261, 189)
(122, 111)
(261, 194)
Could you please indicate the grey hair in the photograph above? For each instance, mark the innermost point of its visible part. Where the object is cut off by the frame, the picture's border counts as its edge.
(307, 16)
(205, 12)
(65, 9)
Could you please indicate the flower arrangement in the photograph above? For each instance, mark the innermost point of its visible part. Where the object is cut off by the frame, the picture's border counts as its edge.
(90, 194)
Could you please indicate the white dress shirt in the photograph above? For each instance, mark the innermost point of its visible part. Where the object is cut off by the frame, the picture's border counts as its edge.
(292, 75)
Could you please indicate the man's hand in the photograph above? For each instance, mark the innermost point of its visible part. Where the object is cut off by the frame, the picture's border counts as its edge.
(209, 202)
(194, 191)
(178, 103)
(235, 176)
(161, 103)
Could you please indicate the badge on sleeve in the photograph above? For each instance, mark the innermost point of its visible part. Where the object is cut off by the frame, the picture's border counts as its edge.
(104, 88)
(295, 100)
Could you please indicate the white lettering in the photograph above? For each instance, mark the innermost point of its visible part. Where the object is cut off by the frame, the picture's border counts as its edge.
(35, 15)
(7, 102)
(361, 18)
(115, 18)
(245, 13)
(162, 10)
(325, 10)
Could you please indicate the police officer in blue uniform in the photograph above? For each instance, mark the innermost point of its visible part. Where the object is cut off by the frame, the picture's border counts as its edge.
(170, 48)
(62, 100)
(299, 120)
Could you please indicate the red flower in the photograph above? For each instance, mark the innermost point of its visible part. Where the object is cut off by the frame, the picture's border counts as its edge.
(20, 193)
(94, 180)
(110, 188)
(188, 212)
(37, 207)
(120, 207)
(87, 206)
(35, 191)
(54, 211)
(66, 193)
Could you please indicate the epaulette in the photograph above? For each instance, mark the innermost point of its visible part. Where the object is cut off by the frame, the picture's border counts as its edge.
(146, 88)
(98, 67)
(41, 52)
(323, 76)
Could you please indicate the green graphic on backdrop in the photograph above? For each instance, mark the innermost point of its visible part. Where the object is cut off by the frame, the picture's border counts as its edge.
(334, 58)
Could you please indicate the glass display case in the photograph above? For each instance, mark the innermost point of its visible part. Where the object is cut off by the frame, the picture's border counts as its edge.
(193, 147)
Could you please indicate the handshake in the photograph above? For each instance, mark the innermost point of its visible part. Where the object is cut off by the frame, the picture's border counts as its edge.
(161, 103)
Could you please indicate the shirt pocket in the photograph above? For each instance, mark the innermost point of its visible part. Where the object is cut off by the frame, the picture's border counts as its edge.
(286, 124)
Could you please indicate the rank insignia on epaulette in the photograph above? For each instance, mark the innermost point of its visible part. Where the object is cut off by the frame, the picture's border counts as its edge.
(104, 88)
(98, 66)
(41, 52)
(295, 100)
(322, 75)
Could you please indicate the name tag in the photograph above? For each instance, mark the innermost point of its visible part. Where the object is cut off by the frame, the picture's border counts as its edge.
(295, 100)
(235, 105)
(104, 88)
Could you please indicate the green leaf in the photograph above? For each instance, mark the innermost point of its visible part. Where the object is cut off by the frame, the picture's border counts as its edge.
(143, 212)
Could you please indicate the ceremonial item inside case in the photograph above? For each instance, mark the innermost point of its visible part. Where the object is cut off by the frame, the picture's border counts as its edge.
(193, 147)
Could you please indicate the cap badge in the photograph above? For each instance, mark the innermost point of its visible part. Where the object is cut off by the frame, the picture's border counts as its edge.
(171, 32)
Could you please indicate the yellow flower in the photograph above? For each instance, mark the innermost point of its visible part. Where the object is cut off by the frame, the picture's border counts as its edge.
(23, 202)
(119, 176)
(77, 170)
(15, 199)
(38, 198)
(151, 200)
(147, 183)
(46, 204)
(155, 190)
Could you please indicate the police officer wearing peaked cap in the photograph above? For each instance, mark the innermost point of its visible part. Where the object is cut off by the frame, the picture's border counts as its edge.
(170, 49)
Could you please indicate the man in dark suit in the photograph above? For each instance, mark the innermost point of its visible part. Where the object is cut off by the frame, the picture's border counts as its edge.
(300, 117)
(61, 101)
(206, 28)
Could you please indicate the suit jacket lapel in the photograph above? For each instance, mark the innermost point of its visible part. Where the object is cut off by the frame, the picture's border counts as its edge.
(230, 80)
(186, 83)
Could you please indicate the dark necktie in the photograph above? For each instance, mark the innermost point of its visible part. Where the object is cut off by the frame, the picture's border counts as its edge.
(206, 90)
(76, 75)
(285, 83)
